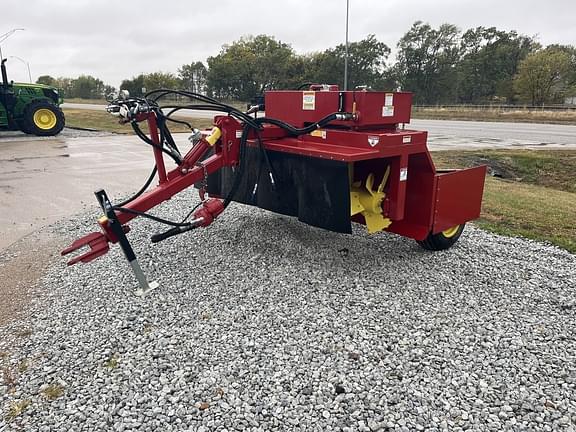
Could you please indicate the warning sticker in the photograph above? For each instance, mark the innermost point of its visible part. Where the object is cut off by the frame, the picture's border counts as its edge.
(373, 140)
(308, 101)
(388, 111)
(389, 99)
(238, 134)
(407, 139)
(403, 174)
(319, 133)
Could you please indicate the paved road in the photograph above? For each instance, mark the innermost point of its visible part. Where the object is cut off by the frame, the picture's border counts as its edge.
(445, 134)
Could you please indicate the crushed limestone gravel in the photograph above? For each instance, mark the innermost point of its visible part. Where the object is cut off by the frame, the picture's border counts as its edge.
(262, 323)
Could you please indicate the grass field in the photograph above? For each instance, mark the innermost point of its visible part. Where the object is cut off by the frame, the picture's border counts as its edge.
(86, 101)
(534, 195)
(471, 114)
(101, 120)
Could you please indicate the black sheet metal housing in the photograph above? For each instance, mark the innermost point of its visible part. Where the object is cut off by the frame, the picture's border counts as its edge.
(314, 190)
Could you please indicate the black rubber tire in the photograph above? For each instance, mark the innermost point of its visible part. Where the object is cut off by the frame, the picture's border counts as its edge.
(30, 126)
(22, 127)
(437, 242)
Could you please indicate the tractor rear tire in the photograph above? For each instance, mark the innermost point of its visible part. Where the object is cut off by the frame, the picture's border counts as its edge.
(43, 119)
(22, 127)
(443, 240)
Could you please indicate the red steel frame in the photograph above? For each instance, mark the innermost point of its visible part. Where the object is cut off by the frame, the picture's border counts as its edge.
(419, 200)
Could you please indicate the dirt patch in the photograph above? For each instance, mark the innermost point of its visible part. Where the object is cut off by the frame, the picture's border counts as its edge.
(21, 267)
(496, 168)
(549, 168)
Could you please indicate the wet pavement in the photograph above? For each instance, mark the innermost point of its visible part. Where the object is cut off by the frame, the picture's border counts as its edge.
(43, 180)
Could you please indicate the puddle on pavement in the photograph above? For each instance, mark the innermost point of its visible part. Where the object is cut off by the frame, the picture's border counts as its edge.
(20, 159)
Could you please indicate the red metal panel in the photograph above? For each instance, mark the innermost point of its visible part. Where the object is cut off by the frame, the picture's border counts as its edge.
(420, 187)
(323, 151)
(348, 146)
(158, 155)
(458, 197)
(380, 108)
(375, 109)
(376, 139)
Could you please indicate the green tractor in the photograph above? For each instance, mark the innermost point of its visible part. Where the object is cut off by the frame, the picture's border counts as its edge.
(31, 108)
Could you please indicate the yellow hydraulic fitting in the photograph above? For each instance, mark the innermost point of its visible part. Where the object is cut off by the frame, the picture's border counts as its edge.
(214, 136)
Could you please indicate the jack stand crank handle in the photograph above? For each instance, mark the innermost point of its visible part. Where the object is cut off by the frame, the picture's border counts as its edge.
(116, 228)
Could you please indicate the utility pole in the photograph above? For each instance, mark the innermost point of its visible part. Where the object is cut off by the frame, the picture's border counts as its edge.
(346, 55)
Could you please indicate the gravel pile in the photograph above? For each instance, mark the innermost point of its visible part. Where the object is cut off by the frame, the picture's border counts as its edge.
(262, 323)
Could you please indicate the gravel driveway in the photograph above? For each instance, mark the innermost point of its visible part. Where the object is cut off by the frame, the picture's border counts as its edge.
(262, 323)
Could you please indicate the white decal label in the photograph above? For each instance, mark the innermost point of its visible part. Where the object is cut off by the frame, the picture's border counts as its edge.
(389, 99)
(308, 101)
(238, 134)
(403, 174)
(373, 141)
(407, 139)
(387, 111)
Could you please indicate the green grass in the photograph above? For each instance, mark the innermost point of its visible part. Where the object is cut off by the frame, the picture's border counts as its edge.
(53, 391)
(112, 362)
(515, 116)
(536, 198)
(23, 366)
(86, 101)
(530, 211)
(102, 121)
(16, 409)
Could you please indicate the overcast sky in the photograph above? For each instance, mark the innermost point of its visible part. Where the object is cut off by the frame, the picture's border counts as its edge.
(114, 40)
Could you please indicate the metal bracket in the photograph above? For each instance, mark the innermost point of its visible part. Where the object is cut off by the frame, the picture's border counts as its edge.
(96, 241)
(144, 286)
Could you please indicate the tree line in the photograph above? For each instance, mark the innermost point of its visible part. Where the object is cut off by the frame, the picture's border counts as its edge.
(84, 87)
(441, 65)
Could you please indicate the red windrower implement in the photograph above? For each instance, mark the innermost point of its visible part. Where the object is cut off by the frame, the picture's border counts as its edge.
(322, 155)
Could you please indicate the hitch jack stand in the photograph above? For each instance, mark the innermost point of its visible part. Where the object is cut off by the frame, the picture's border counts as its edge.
(116, 228)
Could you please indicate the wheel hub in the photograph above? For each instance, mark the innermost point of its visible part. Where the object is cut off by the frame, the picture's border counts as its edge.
(451, 232)
(45, 119)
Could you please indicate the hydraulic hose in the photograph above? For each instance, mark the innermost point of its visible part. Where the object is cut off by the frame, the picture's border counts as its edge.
(209, 104)
(289, 128)
(142, 189)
